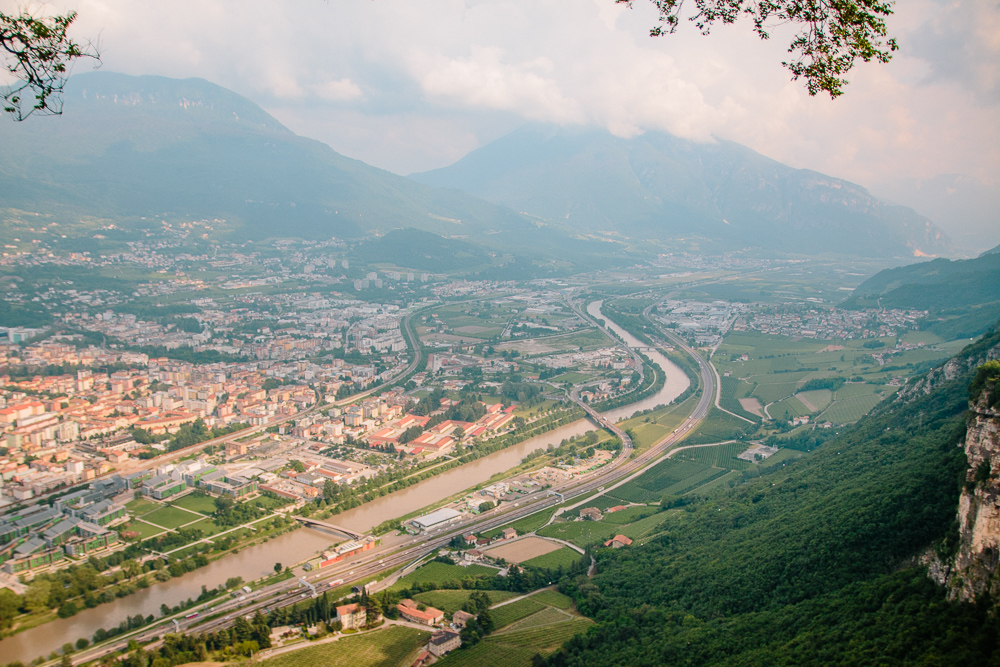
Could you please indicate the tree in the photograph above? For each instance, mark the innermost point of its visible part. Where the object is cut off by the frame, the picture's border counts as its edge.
(36, 597)
(38, 51)
(277, 568)
(835, 34)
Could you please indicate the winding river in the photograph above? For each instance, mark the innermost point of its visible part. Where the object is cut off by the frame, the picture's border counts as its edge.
(256, 561)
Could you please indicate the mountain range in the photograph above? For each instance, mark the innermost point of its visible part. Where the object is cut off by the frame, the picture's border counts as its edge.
(128, 148)
(962, 297)
(660, 186)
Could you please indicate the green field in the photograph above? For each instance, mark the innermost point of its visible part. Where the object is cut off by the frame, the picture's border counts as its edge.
(580, 533)
(144, 529)
(670, 474)
(650, 428)
(382, 648)
(515, 611)
(718, 426)
(779, 367)
(202, 504)
(851, 409)
(208, 527)
(170, 517)
(563, 557)
(439, 573)
(142, 506)
(731, 390)
(719, 456)
(643, 527)
(450, 601)
(528, 524)
(489, 654)
(553, 599)
(627, 515)
(518, 648)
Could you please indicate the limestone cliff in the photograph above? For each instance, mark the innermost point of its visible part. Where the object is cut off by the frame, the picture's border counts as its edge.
(973, 568)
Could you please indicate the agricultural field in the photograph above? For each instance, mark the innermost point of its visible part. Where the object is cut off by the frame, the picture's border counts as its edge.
(719, 456)
(719, 426)
(439, 573)
(542, 623)
(806, 377)
(668, 478)
(650, 428)
(628, 515)
(171, 517)
(528, 524)
(580, 533)
(522, 550)
(515, 611)
(382, 648)
(450, 601)
(553, 598)
(562, 557)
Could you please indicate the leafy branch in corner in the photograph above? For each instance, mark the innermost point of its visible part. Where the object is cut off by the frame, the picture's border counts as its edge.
(834, 34)
(37, 51)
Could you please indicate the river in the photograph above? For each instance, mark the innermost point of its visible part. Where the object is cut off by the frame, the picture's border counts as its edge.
(256, 561)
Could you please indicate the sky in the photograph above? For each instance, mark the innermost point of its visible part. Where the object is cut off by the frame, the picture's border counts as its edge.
(410, 85)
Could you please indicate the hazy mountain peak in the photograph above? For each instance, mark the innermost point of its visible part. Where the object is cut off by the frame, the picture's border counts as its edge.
(658, 185)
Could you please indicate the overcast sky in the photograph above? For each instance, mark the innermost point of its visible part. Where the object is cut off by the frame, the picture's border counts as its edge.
(410, 85)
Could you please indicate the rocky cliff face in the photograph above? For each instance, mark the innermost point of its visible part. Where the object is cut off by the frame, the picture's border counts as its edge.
(973, 568)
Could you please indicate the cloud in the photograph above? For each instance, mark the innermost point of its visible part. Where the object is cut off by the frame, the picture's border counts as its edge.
(410, 86)
(338, 91)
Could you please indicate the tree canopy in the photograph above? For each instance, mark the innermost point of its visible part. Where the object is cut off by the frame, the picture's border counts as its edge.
(834, 34)
(37, 51)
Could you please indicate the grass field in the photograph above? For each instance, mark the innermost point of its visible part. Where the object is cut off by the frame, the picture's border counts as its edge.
(170, 517)
(562, 557)
(202, 504)
(451, 601)
(440, 573)
(580, 533)
(144, 529)
(383, 648)
(207, 527)
(142, 506)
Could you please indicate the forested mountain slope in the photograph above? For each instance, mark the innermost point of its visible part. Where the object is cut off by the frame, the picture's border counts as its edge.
(962, 296)
(814, 563)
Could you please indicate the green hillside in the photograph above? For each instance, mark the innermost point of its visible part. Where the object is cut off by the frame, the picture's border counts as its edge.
(813, 563)
(962, 296)
(129, 148)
